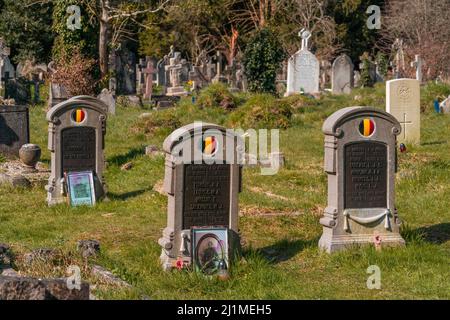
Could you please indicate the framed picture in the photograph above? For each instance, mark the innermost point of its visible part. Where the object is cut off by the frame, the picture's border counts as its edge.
(81, 189)
(210, 249)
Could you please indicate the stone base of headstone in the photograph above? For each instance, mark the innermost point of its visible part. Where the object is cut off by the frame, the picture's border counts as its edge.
(330, 243)
(176, 91)
(169, 262)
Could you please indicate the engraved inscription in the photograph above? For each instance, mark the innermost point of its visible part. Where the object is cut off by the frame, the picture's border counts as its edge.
(365, 175)
(206, 195)
(78, 149)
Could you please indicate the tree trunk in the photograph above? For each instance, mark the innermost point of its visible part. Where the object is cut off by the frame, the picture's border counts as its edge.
(103, 39)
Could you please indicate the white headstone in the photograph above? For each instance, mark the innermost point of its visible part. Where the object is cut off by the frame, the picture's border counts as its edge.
(342, 75)
(403, 102)
(444, 106)
(303, 69)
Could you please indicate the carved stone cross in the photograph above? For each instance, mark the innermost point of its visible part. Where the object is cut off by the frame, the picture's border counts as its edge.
(403, 123)
(148, 74)
(305, 35)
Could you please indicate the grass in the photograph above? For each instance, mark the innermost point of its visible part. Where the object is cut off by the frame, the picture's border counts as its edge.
(281, 259)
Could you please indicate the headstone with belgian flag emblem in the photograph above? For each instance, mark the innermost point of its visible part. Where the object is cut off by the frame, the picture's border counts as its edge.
(202, 181)
(77, 128)
(360, 160)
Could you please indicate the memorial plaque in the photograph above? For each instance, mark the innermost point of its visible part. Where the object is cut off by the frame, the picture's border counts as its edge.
(206, 195)
(365, 175)
(78, 149)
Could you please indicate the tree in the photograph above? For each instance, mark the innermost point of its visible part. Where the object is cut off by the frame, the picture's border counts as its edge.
(27, 32)
(351, 26)
(262, 59)
(113, 18)
(423, 25)
(84, 41)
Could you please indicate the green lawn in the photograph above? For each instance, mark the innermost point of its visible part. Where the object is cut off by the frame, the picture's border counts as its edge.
(281, 259)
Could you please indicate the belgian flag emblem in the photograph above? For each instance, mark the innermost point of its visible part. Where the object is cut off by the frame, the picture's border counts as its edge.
(78, 115)
(367, 127)
(209, 145)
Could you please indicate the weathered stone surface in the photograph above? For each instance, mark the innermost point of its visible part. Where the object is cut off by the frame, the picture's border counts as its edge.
(88, 248)
(15, 181)
(108, 276)
(21, 288)
(41, 254)
(20, 181)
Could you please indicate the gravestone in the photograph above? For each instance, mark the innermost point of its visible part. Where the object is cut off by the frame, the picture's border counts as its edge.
(219, 77)
(342, 75)
(161, 71)
(444, 106)
(148, 72)
(360, 160)
(403, 102)
(77, 129)
(202, 181)
(108, 98)
(418, 64)
(14, 129)
(303, 69)
(174, 69)
(57, 94)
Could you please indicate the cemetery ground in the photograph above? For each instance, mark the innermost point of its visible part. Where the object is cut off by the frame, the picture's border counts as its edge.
(279, 215)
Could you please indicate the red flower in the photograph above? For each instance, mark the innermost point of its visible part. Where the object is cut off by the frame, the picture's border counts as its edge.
(180, 264)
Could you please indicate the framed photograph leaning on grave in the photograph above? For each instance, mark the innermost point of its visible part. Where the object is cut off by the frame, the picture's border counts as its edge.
(81, 188)
(209, 249)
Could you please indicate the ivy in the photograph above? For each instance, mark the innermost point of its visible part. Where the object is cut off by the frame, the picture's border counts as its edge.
(262, 59)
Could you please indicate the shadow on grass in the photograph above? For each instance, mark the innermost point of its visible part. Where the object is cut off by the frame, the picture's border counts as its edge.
(285, 249)
(127, 195)
(124, 158)
(431, 143)
(438, 233)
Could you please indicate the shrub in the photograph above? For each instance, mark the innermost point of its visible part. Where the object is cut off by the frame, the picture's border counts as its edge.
(262, 111)
(74, 72)
(216, 95)
(262, 59)
(154, 121)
